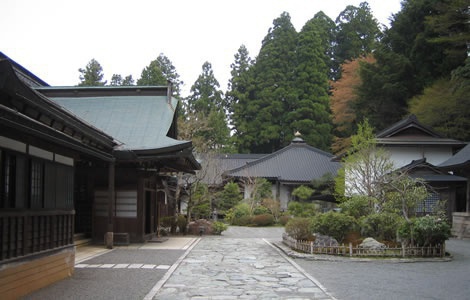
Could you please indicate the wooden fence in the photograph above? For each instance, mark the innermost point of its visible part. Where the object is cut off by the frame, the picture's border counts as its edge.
(349, 250)
(27, 232)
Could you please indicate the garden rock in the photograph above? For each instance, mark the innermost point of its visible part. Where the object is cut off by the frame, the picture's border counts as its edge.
(324, 240)
(200, 227)
(370, 243)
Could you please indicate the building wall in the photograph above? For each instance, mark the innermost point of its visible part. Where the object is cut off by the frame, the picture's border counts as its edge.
(402, 156)
(18, 279)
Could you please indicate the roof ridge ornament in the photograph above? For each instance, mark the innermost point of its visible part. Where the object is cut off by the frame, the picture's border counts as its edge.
(297, 139)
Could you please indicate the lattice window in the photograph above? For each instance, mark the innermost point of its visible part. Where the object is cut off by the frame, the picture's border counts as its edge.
(8, 179)
(37, 184)
(429, 203)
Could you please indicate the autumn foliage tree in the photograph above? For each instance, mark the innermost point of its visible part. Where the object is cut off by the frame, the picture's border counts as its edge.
(342, 100)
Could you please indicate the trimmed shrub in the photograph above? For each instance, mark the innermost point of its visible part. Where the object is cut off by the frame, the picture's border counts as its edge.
(424, 231)
(334, 224)
(357, 206)
(381, 226)
(182, 224)
(299, 228)
(260, 210)
(219, 227)
(303, 210)
(242, 221)
(284, 219)
(263, 220)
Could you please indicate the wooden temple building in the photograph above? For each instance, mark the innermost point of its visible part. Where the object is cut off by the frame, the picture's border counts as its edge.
(97, 161)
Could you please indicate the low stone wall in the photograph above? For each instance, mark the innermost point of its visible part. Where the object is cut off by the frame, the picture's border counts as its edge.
(461, 225)
(24, 276)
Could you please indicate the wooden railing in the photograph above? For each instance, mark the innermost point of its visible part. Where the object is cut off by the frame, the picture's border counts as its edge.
(349, 250)
(25, 232)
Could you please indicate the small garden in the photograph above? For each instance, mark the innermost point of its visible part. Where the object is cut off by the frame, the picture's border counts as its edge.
(381, 211)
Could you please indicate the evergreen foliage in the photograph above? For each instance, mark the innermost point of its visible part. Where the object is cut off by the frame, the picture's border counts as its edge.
(161, 72)
(357, 33)
(92, 75)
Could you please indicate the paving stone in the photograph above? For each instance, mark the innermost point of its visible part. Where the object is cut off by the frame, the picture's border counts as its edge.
(218, 268)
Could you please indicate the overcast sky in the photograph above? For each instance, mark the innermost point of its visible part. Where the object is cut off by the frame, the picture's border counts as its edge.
(54, 38)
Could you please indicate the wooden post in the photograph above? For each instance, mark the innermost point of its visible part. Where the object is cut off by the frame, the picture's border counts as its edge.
(109, 237)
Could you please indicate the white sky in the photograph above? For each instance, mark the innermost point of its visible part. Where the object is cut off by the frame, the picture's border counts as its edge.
(54, 38)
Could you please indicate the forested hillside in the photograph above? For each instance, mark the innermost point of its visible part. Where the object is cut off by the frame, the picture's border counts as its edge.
(328, 77)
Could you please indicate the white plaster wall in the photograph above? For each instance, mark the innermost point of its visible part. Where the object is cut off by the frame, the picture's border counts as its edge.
(284, 197)
(402, 156)
(284, 194)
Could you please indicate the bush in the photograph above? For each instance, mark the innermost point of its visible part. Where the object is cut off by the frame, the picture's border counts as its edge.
(260, 210)
(299, 228)
(263, 220)
(233, 215)
(284, 219)
(303, 210)
(334, 224)
(424, 231)
(357, 206)
(219, 227)
(380, 226)
(182, 223)
(242, 221)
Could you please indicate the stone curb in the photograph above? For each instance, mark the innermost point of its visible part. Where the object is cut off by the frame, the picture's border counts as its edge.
(323, 257)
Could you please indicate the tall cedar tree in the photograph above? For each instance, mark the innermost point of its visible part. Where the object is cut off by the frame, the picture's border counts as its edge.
(238, 99)
(274, 94)
(159, 72)
(92, 75)
(206, 103)
(326, 28)
(407, 61)
(357, 33)
(342, 101)
(309, 113)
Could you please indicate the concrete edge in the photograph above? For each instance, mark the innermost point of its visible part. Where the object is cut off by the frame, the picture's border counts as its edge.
(300, 269)
(168, 274)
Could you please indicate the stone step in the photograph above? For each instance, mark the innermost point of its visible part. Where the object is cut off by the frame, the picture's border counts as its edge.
(81, 239)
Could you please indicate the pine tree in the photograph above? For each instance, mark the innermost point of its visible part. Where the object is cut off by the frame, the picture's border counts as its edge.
(92, 75)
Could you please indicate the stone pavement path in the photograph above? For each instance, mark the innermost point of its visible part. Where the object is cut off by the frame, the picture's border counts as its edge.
(237, 268)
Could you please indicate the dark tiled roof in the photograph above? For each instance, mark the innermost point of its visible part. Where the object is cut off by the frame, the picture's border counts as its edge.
(297, 162)
(409, 122)
(215, 166)
(410, 131)
(459, 160)
(421, 169)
